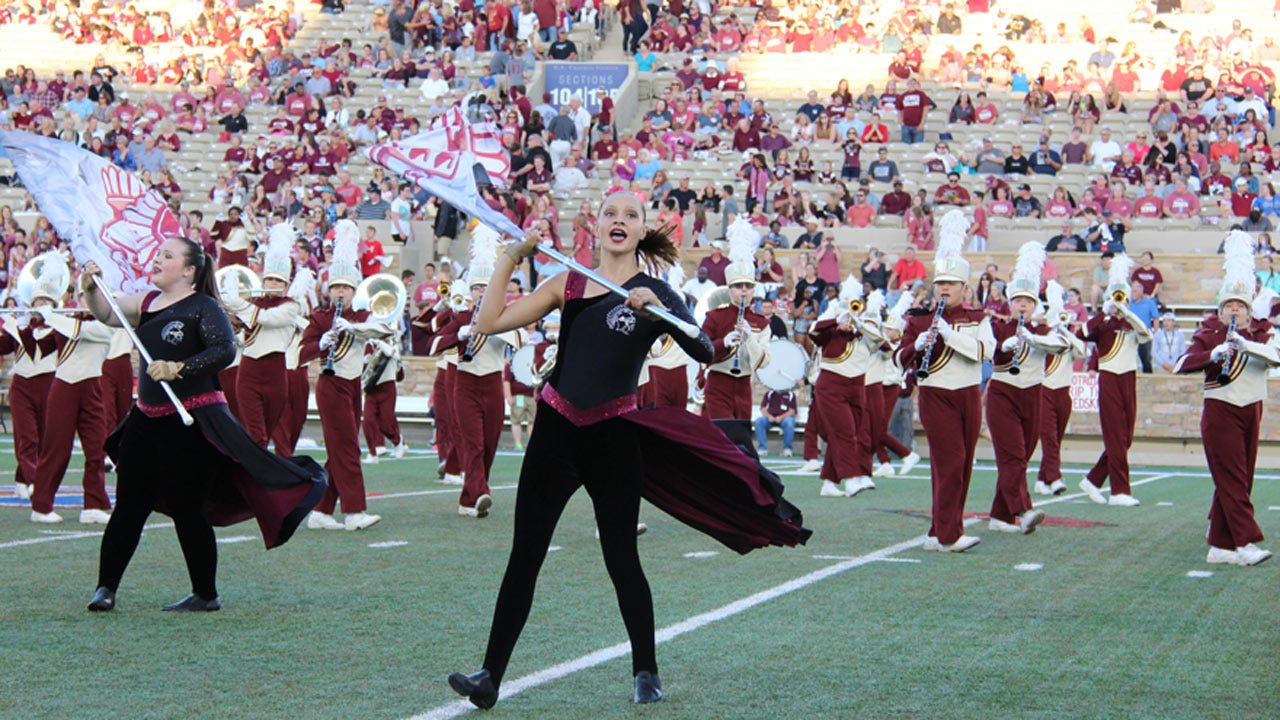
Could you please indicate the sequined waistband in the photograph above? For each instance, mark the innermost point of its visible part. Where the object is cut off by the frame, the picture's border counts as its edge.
(191, 403)
(587, 416)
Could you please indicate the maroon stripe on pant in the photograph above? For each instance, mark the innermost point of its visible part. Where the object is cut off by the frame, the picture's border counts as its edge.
(727, 397)
(666, 388)
(446, 426)
(289, 429)
(1118, 411)
(478, 408)
(27, 399)
(227, 379)
(887, 440)
(380, 416)
(338, 400)
(117, 388)
(1013, 414)
(73, 408)
(813, 431)
(1055, 412)
(952, 420)
(262, 390)
(1230, 436)
(840, 401)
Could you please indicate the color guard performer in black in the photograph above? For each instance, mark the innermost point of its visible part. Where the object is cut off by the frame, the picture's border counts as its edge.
(211, 473)
(590, 433)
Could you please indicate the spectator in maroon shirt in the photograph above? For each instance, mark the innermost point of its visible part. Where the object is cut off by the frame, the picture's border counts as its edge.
(895, 202)
(715, 263)
(1148, 277)
(777, 409)
(1241, 198)
(912, 106)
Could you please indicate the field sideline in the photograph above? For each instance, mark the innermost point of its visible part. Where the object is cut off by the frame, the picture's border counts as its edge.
(1094, 615)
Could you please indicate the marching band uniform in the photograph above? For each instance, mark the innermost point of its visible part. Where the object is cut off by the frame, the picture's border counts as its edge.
(838, 395)
(874, 436)
(228, 377)
(262, 386)
(1117, 332)
(117, 378)
(1055, 401)
(433, 320)
(287, 432)
(75, 407)
(34, 346)
(1232, 416)
(380, 422)
(893, 383)
(728, 381)
(667, 368)
(950, 395)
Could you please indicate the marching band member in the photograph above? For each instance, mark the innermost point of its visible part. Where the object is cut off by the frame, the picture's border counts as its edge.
(337, 337)
(874, 435)
(894, 382)
(1055, 393)
(269, 319)
(35, 349)
(117, 378)
(432, 321)
(1236, 352)
(288, 431)
(740, 335)
(839, 394)
(228, 377)
(74, 407)
(1117, 332)
(813, 433)
(380, 424)
(948, 347)
(477, 394)
(1013, 395)
(667, 369)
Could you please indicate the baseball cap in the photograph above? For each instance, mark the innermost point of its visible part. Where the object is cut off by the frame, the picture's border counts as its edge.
(1024, 186)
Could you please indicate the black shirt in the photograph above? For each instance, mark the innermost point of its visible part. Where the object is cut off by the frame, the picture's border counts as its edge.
(235, 123)
(194, 331)
(562, 50)
(877, 275)
(684, 198)
(1020, 165)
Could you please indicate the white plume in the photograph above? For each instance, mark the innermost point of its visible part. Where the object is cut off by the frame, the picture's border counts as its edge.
(743, 241)
(900, 307)
(1030, 263)
(875, 304)
(54, 265)
(346, 236)
(1263, 302)
(303, 287)
(1237, 261)
(952, 229)
(850, 290)
(484, 247)
(1056, 296)
(1121, 269)
(280, 241)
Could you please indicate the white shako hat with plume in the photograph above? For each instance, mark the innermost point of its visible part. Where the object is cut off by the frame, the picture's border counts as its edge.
(1238, 280)
(303, 288)
(1056, 298)
(896, 317)
(276, 263)
(483, 253)
(345, 268)
(1118, 275)
(948, 263)
(52, 281)
(874, 305)
(1263, 302)
(1026, 272)
(743, 240)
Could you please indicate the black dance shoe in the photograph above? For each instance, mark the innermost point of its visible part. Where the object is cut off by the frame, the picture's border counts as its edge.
(648, 687)
(478, 688)
(194, 603)
(103, 601)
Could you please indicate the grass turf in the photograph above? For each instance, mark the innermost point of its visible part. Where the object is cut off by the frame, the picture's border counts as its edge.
(329, 627)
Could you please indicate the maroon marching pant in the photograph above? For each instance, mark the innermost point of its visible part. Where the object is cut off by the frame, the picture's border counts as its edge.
(887, 440)
(1230, 437)
(227, 379)
(874, 432)
(116, 382)
(1055, 412)
(666, 388)
(952, 420)
(1013, 415)
(442, 403)
(1118, 411)
(73, 408)
(286, 433)
(478, 409)
(813, 431)
(262, 390)
(338, 400)
(380, 416)
(27, 398)
(840, 400)
(726, 397)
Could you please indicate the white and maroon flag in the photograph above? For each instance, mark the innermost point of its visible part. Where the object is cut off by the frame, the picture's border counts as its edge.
(105, 213)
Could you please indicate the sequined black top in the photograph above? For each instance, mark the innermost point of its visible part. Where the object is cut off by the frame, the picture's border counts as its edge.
(194, 331)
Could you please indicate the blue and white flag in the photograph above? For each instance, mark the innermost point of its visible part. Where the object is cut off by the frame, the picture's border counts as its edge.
(106, 214)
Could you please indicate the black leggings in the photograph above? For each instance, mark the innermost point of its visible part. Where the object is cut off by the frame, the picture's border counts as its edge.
(162, 463)
(605, 458)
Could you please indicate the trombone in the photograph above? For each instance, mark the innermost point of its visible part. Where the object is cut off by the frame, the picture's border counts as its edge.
(247, 281)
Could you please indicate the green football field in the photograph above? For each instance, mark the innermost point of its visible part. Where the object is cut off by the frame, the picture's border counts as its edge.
(1102, 613)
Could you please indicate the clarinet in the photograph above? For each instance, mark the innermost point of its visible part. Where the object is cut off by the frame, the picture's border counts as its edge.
(1228, 358)
(1017, 351)
(923, 371)
(736, 369)
(327, 368)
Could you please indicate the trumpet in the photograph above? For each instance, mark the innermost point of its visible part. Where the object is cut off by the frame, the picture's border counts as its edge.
(1228, 359)
(1017, 351)
(1119, 296)
(442, 290)
(855, 307)
(922, 372)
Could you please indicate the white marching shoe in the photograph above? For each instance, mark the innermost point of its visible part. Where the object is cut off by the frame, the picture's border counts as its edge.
(369, 459)
(451, 479)
(481, 509)
(960, 545)
(1029, 519)
(359, 521)
(1124, 501)
(811, 466)
(1222, 556)
(853, 486)
(94, 517)
(1057, 487)
(909, 463)
(1092, 491)
(786, 452)
(1043, 488)
(23, 491)
(320, 521)
(1252, 555)
(48, 518)
(398, 451)
(883, 470)
(1004, 527)
(830, 489)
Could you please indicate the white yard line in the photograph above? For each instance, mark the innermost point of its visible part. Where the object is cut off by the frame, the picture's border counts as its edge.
(69, 536)
(599, 657)
(454, 490)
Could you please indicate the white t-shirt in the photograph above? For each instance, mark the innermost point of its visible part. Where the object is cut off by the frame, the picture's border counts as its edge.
(1105, 153)
(697, 288)
(526, 26)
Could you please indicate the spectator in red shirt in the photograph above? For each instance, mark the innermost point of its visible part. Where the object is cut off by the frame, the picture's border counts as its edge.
(1241, 198)
(984, 111)
(907, 271)
(373, 259)
(1181, 204)
(951, 193)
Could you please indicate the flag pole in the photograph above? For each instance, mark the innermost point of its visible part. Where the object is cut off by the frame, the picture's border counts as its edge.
(142, 350)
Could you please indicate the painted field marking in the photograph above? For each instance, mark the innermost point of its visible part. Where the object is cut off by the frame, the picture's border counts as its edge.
(554, 548)
(235, 539)
(671, 632)
(419, 493)
(701, 554)
(1164, 504)
(388, 544)
(1028, 567)
(1199, 574)
(69, 536)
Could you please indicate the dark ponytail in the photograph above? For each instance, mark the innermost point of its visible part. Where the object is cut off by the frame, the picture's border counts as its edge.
(658, 249)
(205, 282)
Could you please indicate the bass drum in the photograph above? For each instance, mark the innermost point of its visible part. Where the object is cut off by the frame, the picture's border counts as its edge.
(522, 366)
(787, 365)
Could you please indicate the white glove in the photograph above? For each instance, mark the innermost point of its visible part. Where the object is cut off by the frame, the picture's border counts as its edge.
(301, 323)
(550, 353)
(944, 329)
(1233, 337)
(733, 339)
(328, 339)
(1109, 307)
(44, 311)
(1025, 335)
(1220, 352)
(341, 324)
(922, 340)
(384, 347)
(844, 318)
(464, 332)
(441, 304)
(24, 321)
(1010, 344)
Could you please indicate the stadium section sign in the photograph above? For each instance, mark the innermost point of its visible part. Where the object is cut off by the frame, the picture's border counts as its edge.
(566, 80)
